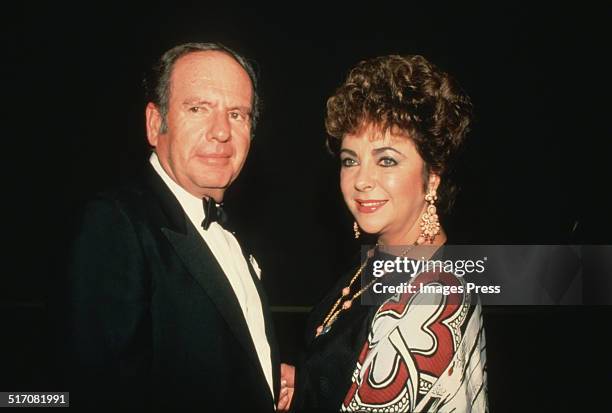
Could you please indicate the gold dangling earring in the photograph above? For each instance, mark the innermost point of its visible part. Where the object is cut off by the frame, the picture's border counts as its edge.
(430, 224)
(356, 230)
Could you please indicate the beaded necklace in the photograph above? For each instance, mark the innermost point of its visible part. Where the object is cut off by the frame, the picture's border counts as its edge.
(336, 309)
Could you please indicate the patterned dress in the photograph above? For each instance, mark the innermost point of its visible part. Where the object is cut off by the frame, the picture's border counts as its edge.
(415, 352)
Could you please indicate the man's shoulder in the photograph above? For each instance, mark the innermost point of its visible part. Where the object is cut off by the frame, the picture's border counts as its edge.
(139, 202)
(126, 196)
(141, 188)
(136, 197)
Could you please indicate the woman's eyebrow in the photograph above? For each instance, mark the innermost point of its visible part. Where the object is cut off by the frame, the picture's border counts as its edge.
(350, 152)
(385, 148)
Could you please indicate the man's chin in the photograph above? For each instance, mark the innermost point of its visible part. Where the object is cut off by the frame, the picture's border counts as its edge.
(214, 182)
(215, 190)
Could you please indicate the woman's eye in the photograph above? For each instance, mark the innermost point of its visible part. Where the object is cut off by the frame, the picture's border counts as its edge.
(347, 162)
(386, 162)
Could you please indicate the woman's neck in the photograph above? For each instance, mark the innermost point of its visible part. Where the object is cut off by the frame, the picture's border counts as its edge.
(422, 251)
(409, 239)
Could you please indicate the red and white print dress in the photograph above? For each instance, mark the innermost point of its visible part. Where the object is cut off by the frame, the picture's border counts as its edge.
(425, 352)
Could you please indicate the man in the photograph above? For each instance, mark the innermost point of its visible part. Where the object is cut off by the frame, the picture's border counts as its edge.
(165, 310)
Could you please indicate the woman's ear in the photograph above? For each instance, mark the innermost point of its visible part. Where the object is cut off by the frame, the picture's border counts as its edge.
(434, 182)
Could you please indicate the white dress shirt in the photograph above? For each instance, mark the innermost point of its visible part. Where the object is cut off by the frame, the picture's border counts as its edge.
(228, 253)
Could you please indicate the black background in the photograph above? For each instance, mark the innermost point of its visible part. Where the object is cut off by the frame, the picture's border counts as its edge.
(534, 169)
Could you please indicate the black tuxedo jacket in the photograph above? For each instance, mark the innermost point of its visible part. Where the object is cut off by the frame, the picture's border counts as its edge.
(153, 320)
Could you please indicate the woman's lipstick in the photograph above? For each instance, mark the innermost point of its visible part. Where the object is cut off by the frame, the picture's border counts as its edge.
(367, 206)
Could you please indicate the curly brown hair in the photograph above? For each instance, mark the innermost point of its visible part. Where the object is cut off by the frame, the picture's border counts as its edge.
(410, 94)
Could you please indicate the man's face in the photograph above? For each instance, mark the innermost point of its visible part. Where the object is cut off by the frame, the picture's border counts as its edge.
(208, 123)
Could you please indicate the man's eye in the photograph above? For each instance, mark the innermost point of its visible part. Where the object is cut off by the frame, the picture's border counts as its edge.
(237, 115)
(195, 109)
(386, 162)
(347, 162)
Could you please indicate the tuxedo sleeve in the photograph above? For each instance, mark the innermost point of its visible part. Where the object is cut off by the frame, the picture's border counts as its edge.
(109, 332)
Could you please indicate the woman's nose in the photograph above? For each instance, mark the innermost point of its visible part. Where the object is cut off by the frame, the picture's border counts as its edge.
(365, 179)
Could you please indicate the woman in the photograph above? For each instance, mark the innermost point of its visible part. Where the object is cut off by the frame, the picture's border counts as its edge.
(397, 122)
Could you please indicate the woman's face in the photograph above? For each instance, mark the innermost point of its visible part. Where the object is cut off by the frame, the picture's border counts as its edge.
(382, 184)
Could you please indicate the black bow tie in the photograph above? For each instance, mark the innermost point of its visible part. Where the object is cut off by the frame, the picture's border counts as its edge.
(213, 212)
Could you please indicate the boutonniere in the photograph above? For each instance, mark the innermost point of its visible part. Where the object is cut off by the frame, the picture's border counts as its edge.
(255, 266)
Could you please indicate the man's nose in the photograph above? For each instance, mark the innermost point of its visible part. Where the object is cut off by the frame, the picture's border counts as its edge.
(220, 129)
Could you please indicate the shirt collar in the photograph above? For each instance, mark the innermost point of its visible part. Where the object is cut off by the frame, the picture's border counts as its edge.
(191, 204)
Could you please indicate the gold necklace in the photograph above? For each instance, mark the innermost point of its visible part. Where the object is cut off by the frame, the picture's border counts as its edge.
(333, 314)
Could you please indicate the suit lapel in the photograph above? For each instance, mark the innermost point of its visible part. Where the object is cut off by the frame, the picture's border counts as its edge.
(203, 266)
(200, 261)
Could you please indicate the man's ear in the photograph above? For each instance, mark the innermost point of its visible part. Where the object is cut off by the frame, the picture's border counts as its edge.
(154, 121)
